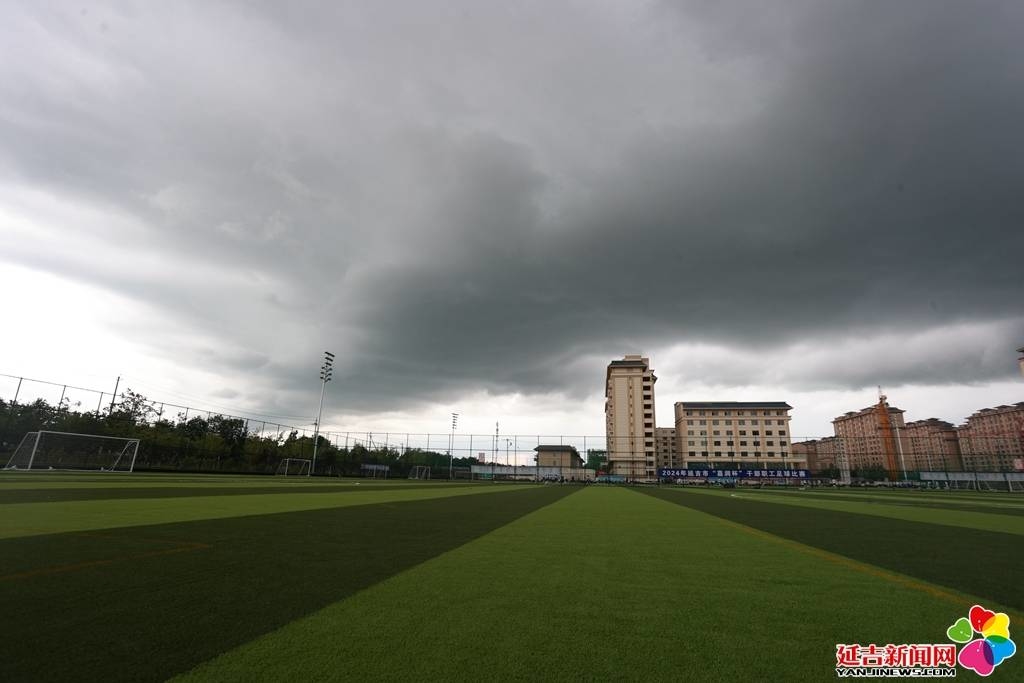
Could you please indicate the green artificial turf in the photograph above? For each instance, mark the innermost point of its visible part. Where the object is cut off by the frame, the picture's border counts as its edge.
(982, 561)
(140, 603)
(27, 519)
(50, 495)
(606, 584)
(951, 516)
(919, 502)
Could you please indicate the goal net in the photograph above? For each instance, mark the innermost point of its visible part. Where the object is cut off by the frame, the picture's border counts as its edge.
(44, 450)
(419, 472)
(292, 467)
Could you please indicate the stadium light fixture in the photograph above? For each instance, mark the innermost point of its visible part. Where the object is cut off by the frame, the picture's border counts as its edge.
(326, 370)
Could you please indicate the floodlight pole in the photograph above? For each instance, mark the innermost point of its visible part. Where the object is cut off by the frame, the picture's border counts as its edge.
(325, 376)
(451, 446)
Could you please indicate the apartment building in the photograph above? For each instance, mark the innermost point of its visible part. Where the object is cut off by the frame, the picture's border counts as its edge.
(629, 418)
(931, 445)
(820, 454)
(666, 447)
(870, 438)
(742, 434)
(993, 439)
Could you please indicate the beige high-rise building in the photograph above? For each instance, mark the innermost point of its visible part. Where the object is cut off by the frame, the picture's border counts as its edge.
(931, 445)
(819, 453)
(629, 417)
(740, 434)
(868, 438)
(667, 447)
(992, 440)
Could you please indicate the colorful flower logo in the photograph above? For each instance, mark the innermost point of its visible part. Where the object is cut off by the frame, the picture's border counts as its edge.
(982, 655)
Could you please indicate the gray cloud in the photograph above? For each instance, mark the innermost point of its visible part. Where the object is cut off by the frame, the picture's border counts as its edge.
(461, 197)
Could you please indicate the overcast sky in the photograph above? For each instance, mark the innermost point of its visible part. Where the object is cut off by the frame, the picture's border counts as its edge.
(477, 205)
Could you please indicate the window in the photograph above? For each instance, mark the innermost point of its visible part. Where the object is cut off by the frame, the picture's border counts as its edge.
(782, 442)
(718, 443)
(743, 432)
(732, 454)
(782, 432)
(717, 433)
(693, 454)
(768, 433)
(714, 422)
(714, 412)
(743, 454)
(757, 443)
(729, 432)
(689, 412)
(780, 422)
(742, 422)
(743, 443)
(703, 422)
(703, 432)
(689, 432)
(771, 454)
(755, 433)
(728, 422)
(689, 422)
(718, 454)
(728, 443)
(770, 443)
(703, 412)
(691, 443)
(703, 454)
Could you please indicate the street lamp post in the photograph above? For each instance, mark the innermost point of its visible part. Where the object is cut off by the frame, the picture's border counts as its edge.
(451, 444)
(326, 370)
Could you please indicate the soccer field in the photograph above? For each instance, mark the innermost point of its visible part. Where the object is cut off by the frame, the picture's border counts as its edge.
(147, 577)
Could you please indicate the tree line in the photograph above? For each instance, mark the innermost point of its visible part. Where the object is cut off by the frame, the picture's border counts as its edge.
(215, 443)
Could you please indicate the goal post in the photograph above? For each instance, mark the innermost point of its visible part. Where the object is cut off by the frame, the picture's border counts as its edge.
(419, 472)
(293, 467)
(49, 450)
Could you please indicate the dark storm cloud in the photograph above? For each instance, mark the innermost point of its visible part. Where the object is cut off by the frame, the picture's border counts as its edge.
(457, 196)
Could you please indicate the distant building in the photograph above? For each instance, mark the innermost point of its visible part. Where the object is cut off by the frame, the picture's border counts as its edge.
(931, 445)
(993, 439)
(748, 435)
(666, 447)
(629, 417)
(870, 438)
(1020, 360)
(566, 457)
(820, 454)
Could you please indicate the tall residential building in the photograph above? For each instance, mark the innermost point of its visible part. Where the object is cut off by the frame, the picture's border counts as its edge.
(868, 438)
(993, 439)
(819, 453)
(629, 417)
(666, 447)
(741, 434)
(931, 445)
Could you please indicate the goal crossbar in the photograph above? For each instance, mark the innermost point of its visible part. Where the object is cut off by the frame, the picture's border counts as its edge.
(31, 441)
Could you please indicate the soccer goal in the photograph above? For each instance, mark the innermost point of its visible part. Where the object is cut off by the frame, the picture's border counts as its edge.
(419, 472)
(293, 467)
(45, 450)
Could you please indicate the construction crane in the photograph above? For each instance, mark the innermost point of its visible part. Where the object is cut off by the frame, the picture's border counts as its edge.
(888, 440)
